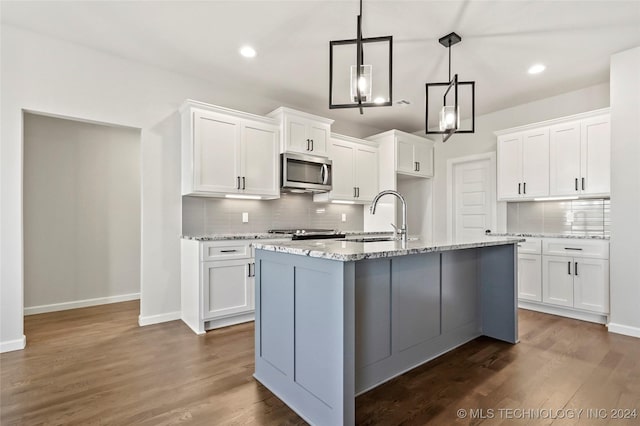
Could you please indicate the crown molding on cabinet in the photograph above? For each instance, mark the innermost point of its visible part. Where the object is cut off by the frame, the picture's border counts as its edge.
(190, 103)
(560, 120)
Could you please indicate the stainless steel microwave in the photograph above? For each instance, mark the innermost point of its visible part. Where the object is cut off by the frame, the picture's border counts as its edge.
(305, 173)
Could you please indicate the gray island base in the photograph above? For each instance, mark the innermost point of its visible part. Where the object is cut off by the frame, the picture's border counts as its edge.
(337, 318)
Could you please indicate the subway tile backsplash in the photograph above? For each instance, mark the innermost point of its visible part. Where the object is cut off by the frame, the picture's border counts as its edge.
(202, 216)
(575, 217)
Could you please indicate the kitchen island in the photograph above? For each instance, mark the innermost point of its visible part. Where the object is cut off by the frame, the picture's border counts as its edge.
(335, 318)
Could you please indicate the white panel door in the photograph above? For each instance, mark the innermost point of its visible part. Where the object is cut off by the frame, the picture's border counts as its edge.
(564, 159)
(260, 159)
(530, 277)
(473, 199)
(596, 156)
(342, 167)
(319, 135)
(591, 284)
(226, 288)
(510, 166)
(535, 163)
(216, 159)
(557, 280)
(404, 156)
(366, 173)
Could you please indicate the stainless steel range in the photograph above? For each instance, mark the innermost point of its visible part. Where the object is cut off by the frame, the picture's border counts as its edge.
(309, 234)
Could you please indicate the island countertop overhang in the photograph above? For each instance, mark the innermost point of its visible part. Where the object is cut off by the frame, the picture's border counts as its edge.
(349, 251)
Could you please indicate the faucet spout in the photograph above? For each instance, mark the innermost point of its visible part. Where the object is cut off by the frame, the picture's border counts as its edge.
(372, 209)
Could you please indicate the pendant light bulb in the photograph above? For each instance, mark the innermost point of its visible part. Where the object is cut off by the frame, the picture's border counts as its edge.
(449, 118)
(363, 83)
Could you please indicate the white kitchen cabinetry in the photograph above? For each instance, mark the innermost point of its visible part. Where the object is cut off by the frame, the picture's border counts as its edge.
(580, 154)
(228, 152)
(302, 132)
(576, 274)
(217, 283)
(563, 157)
(530, 270)
(414, 154)
(355, 170)
(523, 164)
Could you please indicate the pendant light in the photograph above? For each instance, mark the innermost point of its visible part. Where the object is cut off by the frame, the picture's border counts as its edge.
(352, 81)
(449, 115)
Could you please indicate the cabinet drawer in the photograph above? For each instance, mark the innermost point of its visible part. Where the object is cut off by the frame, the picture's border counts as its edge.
(530, 246)
(222, 250)
(575, 248)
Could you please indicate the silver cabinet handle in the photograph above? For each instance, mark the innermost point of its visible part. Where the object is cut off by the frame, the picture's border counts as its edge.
(569, 266)
(324, 174)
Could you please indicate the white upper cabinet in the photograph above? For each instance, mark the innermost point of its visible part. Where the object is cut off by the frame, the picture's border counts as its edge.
(413, 155)
(302, 132)
(354, 169)
(523, 165)
(563, 157)
(228, 152)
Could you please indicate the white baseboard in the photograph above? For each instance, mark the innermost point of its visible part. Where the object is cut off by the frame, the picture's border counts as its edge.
(156, 319)
(624, 329)
(563, 312)
(32, 310)
(13, 345)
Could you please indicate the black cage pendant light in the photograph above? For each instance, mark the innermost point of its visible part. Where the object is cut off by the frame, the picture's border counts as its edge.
(450, 107)
(360, 71)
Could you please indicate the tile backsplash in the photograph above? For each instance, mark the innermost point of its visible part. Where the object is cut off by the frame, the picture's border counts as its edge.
(201, 216)
(575, 217)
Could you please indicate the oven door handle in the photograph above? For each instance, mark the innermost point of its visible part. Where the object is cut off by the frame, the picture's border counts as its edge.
(324, 174)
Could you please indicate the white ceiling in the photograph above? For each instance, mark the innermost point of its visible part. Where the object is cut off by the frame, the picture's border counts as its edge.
(501, 39)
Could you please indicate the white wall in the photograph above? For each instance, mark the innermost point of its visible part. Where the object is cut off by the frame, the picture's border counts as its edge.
(81, 213)
(625, 192)
(46, 75)
(483, 140)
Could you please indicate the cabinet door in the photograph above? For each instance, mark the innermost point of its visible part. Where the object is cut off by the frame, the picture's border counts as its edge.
(557, 280)
(296, 136)
(405, 159)
(564, 159)
(535, 163)
(216, 162)
(530, 277)
(342, 167)
(226, 288)
(424, 157)
(510, 166)
(591, 285)
(366, 173)
(319, 135)
(260, 159)
(596, 156)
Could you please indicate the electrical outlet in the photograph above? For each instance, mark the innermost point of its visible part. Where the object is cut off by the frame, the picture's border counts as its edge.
(344, 217)
(245, 217)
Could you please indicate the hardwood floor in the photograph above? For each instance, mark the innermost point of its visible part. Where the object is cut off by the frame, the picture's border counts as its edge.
(96, 366)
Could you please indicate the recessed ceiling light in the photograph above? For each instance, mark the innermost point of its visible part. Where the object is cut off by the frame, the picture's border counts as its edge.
(536, 69)
(248, 52)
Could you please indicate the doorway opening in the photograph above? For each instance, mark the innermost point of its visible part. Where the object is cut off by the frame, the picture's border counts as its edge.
(82, 213)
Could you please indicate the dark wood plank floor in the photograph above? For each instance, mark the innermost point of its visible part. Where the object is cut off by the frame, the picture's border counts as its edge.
(96, 366)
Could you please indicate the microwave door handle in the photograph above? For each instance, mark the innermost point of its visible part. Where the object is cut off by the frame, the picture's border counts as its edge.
(324, 173)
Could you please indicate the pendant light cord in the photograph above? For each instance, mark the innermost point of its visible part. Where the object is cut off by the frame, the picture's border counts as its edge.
(449, 60)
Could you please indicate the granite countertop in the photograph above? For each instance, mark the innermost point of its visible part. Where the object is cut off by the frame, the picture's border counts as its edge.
(264, 236)
(346, 251)
(541, 235)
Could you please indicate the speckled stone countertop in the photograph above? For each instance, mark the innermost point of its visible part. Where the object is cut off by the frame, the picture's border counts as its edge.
(264, 236)
(535, 235)
(346, 251)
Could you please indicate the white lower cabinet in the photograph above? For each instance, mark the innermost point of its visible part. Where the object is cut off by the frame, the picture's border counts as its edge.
(567, 277)
(217, 283)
